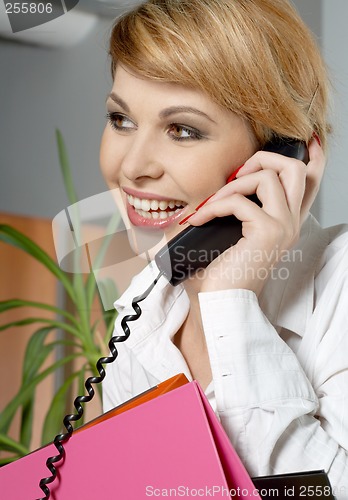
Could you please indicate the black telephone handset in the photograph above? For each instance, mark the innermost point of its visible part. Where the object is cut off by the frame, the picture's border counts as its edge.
(195, 247)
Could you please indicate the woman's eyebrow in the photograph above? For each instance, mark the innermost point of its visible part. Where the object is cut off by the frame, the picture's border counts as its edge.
(165, 113)
(118, 100)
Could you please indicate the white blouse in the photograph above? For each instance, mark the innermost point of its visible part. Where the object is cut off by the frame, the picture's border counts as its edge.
(279, 363)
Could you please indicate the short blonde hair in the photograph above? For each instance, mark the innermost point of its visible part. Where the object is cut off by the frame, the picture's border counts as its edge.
(256, 58)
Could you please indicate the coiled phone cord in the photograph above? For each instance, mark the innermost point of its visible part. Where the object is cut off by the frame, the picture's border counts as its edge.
(63, 438)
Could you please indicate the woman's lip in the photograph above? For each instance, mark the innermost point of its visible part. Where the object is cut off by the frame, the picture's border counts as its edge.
(147, 196)
(138, 220)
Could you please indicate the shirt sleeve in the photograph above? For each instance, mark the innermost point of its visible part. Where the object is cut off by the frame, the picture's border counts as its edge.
(273, 416)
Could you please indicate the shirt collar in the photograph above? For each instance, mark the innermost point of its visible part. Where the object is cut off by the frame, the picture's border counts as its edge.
(155, 308)
(163, 311)
(287, 298)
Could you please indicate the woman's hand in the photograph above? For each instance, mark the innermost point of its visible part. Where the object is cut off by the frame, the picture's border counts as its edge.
(286, 187)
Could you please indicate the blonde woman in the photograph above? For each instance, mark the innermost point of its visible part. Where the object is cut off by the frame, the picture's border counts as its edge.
(200, 87)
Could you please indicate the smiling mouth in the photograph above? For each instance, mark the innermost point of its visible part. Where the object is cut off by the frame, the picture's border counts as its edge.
(155, 209)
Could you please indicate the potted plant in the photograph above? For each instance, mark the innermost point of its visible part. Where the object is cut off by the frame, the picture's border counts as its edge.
(81, 334)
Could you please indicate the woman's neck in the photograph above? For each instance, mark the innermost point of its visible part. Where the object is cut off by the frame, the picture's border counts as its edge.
(190, 338)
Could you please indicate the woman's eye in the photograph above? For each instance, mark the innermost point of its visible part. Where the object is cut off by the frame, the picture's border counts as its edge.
(118, 121)
(181, 133)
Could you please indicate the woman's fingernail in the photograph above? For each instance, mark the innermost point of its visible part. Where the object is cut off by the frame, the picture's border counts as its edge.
(317, 138)
(204, 202)
(233, 175)
(186, 219)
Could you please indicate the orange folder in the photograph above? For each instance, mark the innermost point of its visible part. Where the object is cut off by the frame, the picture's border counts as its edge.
(154, 392)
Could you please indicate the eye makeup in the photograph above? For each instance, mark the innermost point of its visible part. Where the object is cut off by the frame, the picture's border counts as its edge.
(177, 132)
(115, 118)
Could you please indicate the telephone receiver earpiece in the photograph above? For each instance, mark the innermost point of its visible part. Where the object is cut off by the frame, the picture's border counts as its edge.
(196, 247)
(292, 148)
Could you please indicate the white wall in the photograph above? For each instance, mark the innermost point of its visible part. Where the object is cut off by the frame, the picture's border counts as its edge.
(328, 19)
(41, 89)
(334, 197)
(311, 12)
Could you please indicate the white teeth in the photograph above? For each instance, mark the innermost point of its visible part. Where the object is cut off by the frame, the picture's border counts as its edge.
(145, 205)
(154, 205)
(154, 209)
(137, 203)
(154, 215)
(163, 205)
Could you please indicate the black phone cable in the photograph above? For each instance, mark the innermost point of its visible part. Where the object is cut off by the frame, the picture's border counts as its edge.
(63, 438)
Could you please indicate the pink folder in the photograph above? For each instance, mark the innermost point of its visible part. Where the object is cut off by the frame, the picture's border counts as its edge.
(170, 446)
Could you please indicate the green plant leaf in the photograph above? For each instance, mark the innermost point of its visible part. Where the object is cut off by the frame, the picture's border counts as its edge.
(98, 262)
(9, 444)
(53, 323)
(35, 355)
(15, 238)
(8, 460)
(27, 421)
(65, 168)
(107, 294)
(82, 308)
(81, 390)
(78, 284)
(54, 419)
(110, 324)
(7, 305)
(21, 397)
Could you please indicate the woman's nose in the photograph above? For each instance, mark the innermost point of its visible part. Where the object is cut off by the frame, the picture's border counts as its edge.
(142, 159)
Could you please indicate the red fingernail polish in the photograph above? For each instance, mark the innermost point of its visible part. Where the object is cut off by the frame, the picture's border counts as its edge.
(317, 138)
(186, 219)
(233, 175)
(203, 202)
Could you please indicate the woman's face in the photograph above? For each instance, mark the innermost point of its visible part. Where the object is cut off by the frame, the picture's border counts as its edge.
(168, 147)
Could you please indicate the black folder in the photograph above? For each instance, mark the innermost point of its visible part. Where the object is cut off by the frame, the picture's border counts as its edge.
(295, 486)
